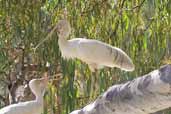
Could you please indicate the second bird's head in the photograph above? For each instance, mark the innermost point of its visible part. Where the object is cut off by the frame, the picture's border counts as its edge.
(63, 29)
(38, 86)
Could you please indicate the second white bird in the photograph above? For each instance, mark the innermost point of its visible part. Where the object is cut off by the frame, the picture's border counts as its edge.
(95, 53)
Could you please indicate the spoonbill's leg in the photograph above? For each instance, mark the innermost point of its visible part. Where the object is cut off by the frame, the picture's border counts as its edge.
(94, 78)
(92, 67)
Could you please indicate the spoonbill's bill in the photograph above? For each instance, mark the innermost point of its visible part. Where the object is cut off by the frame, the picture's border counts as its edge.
(93, 52)
(38, 87)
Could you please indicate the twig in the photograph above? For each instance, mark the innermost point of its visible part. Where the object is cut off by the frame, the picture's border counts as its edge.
(135, 7)
(2, 98)
(94, 5)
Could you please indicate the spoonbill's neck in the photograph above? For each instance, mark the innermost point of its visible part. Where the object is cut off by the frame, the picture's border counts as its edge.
(67, 48)
(39, 98)
(62, 40)
(63, 43)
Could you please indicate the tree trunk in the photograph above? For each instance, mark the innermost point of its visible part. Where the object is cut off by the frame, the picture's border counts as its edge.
(143, 95)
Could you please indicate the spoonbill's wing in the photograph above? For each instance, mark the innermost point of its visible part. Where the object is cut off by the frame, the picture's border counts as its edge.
(93, 51)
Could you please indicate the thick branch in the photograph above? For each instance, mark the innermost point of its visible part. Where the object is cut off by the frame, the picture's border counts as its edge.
(144, 95)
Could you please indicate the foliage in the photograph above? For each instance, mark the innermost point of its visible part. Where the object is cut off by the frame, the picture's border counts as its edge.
(140, 27)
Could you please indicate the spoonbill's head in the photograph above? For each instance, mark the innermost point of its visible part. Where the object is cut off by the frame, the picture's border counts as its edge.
(38, 86)
(63, 29)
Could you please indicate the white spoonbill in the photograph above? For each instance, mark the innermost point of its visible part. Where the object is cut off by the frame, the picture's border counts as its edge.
(93, 52)
(38, 87)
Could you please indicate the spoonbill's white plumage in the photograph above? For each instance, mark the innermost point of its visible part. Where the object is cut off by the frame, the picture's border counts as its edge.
(37, 86)
(93, 52)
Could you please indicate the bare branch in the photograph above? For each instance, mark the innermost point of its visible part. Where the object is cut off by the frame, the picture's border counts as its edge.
(144, 95)
(135, 7)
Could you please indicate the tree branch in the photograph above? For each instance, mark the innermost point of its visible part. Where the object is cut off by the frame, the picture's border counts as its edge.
(143, 95)
(135, 7)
